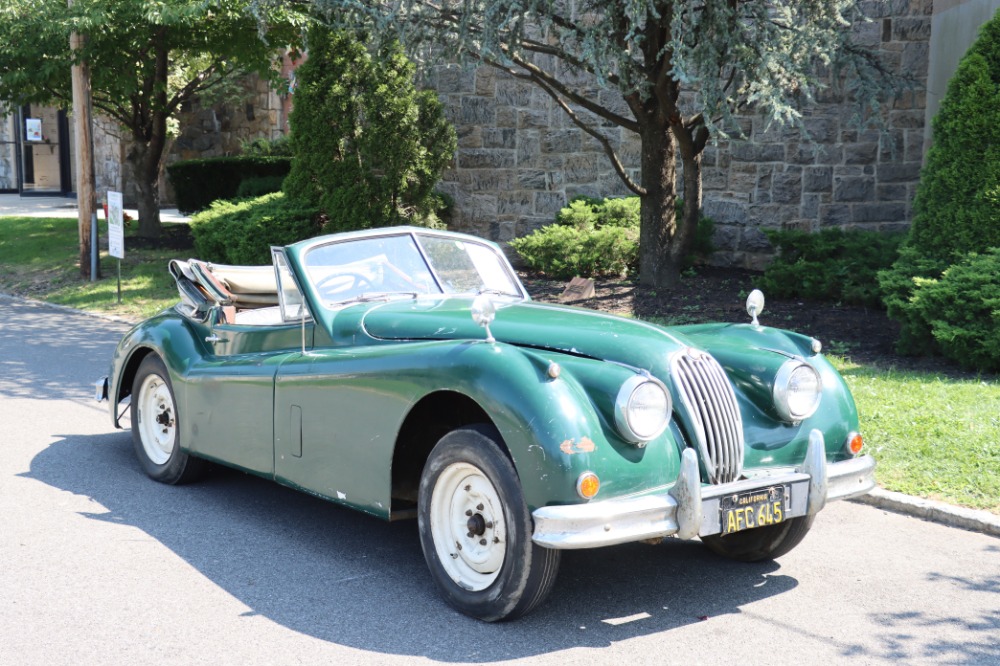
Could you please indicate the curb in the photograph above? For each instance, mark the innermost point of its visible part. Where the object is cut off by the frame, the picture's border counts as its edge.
(938, 512)
(916, 507)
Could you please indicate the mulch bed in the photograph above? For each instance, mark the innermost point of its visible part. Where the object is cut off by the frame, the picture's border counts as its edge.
(865, 335)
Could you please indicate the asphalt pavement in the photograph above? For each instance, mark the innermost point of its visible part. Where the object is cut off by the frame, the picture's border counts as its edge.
(15, 205)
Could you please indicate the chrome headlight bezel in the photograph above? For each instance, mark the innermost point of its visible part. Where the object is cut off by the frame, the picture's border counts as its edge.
(626, 403)
(789, 408)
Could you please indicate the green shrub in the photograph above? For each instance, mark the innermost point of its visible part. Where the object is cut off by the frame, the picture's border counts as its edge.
(197, 183)
(563, 252)
(278, 147)
(259, 186)
(962, 309)
(242, 232)
(957, 204)
(595, 238)
(369, 147)
(831, 265)
(897, 285)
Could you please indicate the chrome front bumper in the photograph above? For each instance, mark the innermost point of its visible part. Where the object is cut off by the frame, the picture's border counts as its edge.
(691, 509)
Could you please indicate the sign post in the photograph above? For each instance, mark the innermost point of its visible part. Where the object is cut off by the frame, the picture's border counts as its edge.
(116, 234)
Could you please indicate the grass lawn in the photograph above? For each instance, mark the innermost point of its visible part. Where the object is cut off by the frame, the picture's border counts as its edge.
(39, 259)
(934, 437)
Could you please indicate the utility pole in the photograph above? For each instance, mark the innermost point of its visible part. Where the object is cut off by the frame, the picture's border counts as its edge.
(84, 148)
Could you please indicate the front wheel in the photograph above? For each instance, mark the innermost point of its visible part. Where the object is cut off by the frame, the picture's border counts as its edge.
(475, 529)
(760, 543)
(155, 432)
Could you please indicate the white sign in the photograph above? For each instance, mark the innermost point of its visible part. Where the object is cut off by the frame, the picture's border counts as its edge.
(33, 129)
(116, 226)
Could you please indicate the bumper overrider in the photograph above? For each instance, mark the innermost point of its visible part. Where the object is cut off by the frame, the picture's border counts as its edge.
(690, 509)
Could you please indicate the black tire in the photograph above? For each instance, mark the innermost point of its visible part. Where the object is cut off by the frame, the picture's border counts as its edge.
(760, 543)
(155, 431)
(487, 566)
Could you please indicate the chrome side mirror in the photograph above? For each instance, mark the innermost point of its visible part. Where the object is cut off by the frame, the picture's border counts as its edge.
(483, 313)
(755, 305)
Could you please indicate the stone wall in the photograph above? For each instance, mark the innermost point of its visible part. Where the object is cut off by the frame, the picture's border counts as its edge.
(217, 130)
(520, 158)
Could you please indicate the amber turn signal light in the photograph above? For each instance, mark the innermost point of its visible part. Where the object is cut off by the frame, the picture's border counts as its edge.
(587, 485)
(855, 443)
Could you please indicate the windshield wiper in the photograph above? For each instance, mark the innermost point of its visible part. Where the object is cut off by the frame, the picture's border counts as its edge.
(496, 292)
(371, 296)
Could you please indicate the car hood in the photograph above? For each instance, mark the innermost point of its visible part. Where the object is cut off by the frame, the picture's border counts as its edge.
(571, 330)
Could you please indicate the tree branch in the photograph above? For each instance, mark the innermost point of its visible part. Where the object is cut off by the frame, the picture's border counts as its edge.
(603, 140)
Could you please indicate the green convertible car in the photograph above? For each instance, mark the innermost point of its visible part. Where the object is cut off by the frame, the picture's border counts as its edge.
(406, 373)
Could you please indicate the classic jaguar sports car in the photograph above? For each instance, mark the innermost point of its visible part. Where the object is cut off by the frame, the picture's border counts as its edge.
(406, 373)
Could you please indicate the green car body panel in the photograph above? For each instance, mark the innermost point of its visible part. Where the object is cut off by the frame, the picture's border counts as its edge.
(321, 404)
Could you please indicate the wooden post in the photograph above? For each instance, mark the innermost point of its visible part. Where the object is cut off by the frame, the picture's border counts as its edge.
(83, 143)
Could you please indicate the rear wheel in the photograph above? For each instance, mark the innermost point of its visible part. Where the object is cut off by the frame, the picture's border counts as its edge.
(155, 432)
(761, 543)
(475, 529)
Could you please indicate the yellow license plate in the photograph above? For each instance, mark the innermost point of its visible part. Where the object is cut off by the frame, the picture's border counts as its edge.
(755, 508)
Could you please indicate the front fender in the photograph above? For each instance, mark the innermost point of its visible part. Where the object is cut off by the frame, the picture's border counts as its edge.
(558, 428)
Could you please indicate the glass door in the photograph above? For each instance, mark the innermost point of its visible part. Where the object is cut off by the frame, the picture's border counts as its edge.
(45, 157)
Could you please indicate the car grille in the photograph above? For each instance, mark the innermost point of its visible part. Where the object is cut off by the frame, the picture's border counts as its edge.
(710, 401)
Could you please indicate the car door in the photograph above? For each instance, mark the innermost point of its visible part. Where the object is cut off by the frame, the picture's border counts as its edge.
(231, 388)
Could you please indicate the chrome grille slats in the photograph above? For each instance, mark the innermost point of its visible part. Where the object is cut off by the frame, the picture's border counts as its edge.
(713, 413)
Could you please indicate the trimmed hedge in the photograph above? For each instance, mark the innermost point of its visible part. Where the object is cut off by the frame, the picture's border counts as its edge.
(242, 232)
(197, 183)
(831, 265)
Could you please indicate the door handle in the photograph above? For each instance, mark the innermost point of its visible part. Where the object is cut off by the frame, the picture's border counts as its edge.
(214, 338)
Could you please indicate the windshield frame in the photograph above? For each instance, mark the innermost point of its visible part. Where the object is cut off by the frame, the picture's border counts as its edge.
(439, 288)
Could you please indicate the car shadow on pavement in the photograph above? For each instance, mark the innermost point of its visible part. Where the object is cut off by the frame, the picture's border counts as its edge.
(344, 577)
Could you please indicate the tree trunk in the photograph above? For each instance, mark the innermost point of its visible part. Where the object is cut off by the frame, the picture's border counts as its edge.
(687, 226)
(150, 140)
(146, 170)
(658, 267)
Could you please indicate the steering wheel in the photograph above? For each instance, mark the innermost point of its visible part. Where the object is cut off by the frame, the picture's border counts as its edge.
(357, 281)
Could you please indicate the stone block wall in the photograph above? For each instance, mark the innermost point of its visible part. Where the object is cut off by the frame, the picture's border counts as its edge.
(520, 158)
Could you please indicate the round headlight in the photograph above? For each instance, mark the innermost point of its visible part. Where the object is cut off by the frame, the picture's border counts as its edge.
(642, 409)
(797, 388)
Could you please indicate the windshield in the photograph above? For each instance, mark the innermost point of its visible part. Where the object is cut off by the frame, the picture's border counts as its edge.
(383, 267)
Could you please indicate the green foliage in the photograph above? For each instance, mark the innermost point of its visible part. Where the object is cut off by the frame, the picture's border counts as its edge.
(368, 146)
(562, 251)
(958, 199)
(242, 232)
(197, 183)
(260, 147)
(146, 59)
(258, 186)
(956, 208)
(832, 265)
(898, 284)
(593, 238)
(962, 310)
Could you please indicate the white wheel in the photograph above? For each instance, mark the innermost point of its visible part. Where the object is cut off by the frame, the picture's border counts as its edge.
(475, 529)
(157, 426)
(468, 526)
